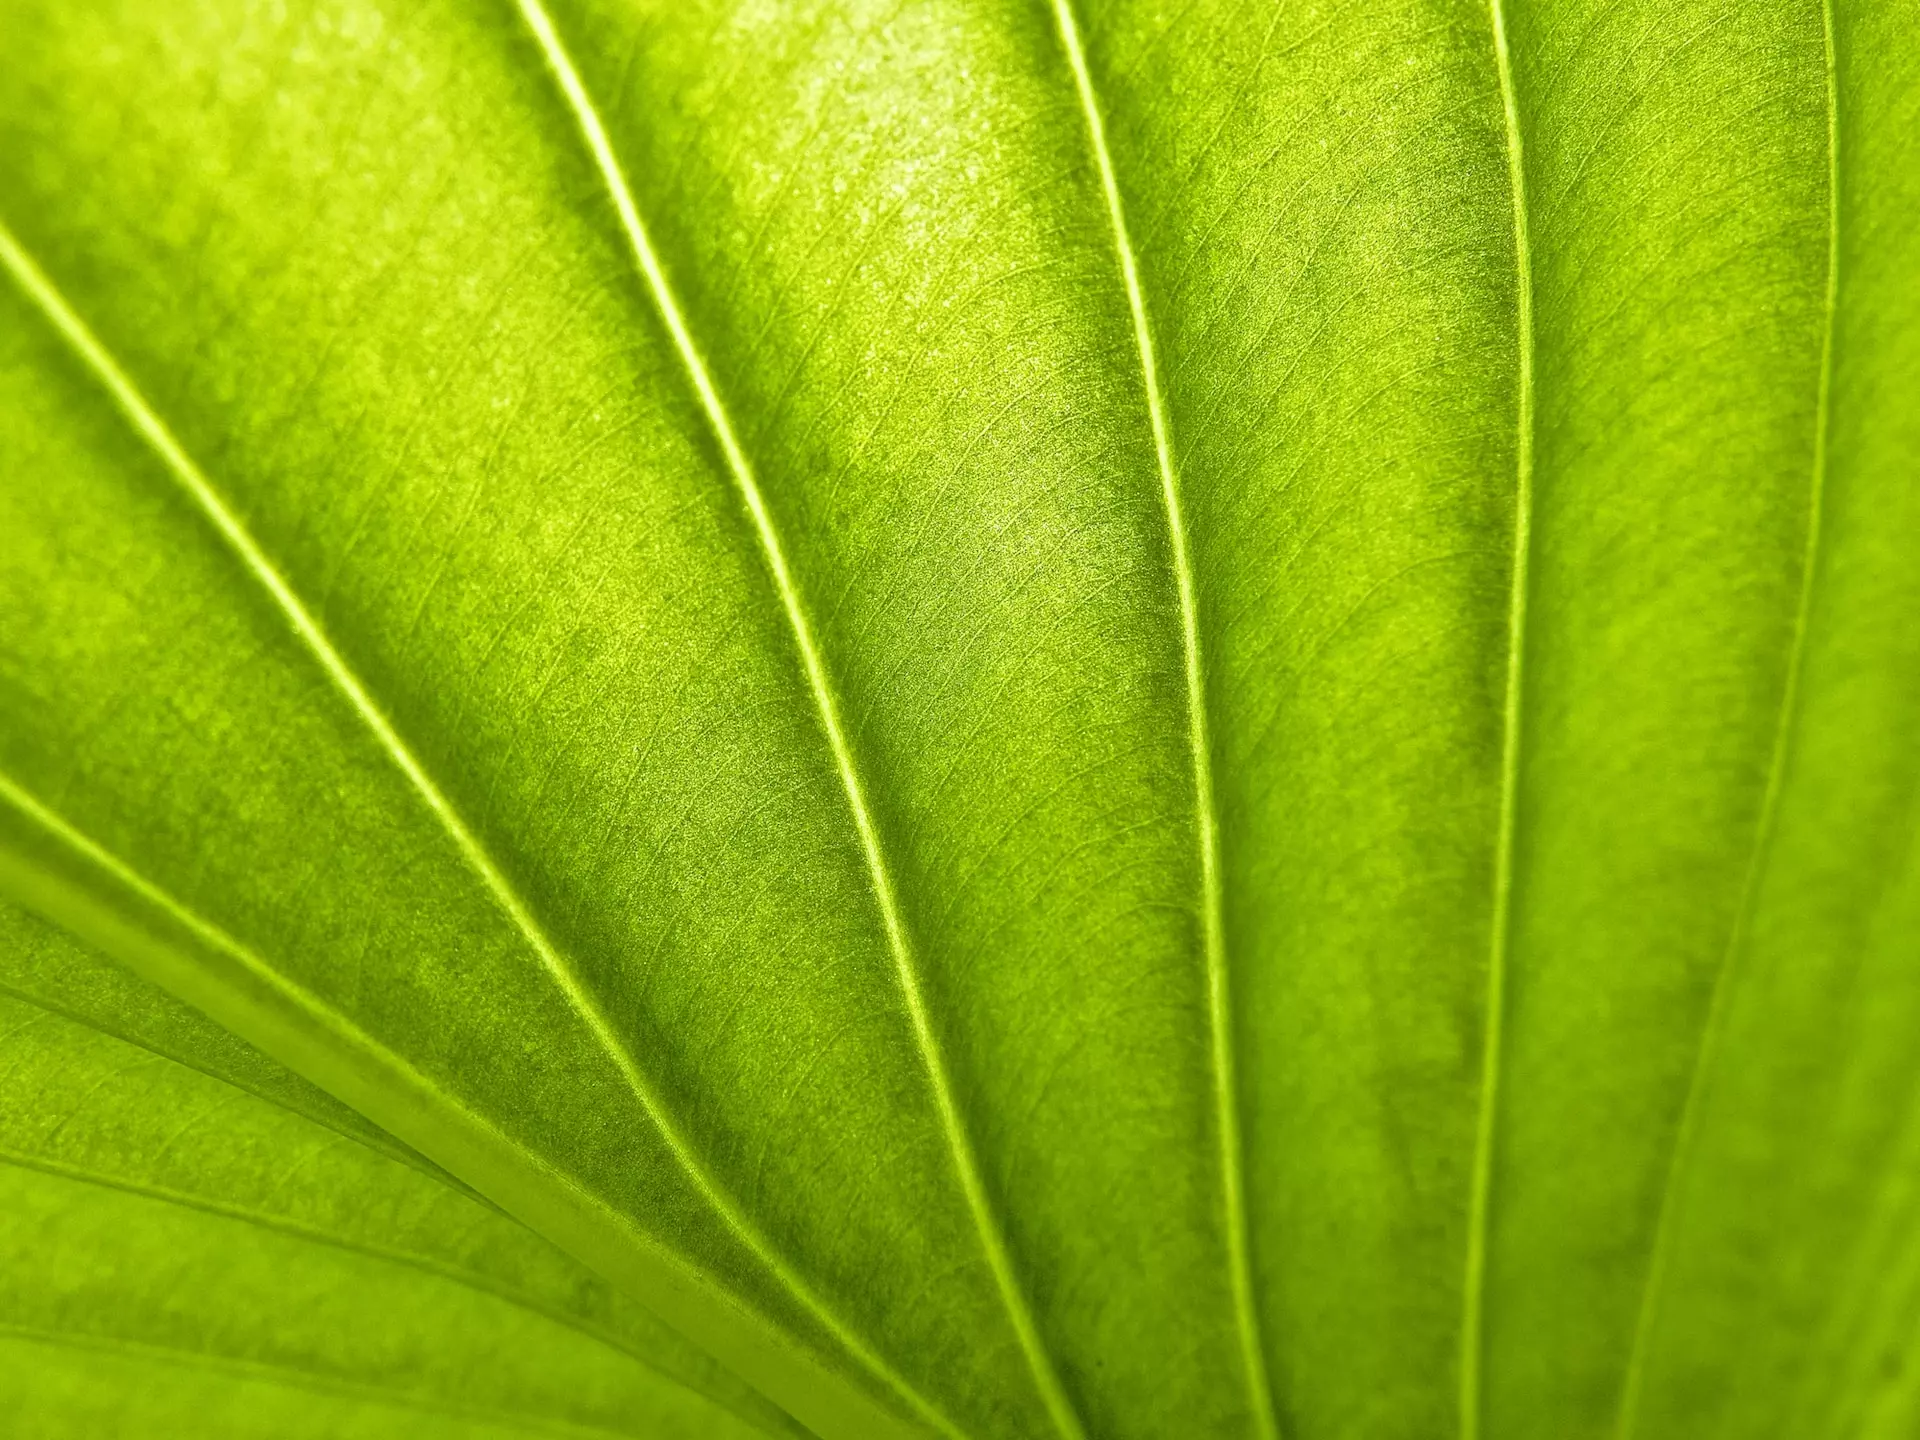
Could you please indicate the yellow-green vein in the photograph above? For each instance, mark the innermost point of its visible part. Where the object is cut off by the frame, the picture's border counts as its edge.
(1212, 918)
(966, 1164)
(360, 1070)
(1660, 1259)
(1474, 1284)
(151, 428)
(316, 1235)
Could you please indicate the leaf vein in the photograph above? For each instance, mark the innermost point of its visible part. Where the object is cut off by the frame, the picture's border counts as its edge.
(201, 490)
(813, 664)
(1727, 974)
(1473, 1296)
(1219, 996)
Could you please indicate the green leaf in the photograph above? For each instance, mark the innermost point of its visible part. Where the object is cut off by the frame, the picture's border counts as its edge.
(166, 1188)
(1124, 720)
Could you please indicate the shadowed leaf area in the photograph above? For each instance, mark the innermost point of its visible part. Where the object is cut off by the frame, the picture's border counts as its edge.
(1079, 719)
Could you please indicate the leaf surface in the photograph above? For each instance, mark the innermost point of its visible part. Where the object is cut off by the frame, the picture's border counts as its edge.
(184, 1253)
(1115, 720)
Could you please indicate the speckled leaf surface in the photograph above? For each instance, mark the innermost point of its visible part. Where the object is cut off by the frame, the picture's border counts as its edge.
(1110, 720)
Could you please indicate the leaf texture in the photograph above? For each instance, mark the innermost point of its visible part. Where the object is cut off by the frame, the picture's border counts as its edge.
(1062, 720)
(159, 1204)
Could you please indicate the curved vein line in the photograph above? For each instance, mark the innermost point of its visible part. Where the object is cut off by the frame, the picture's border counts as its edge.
(1473, 1294)
(316, 1235)
(1712, 1032)
(290, 1377)
(343, 1031)
(154, 430)
(394, 1077)
(380, 1143)
(999, 1259)
(1226, 1097)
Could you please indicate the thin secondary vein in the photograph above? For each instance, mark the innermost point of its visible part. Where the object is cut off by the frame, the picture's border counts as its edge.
(380, 1143)
(1659, 1262)
(293, 1377)
(1473, 1294)
(187, 472)
(314, 1234)
(345, 1033)
(418, 1088)
(1212, 900)
(156, 433)
(999, 1258)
